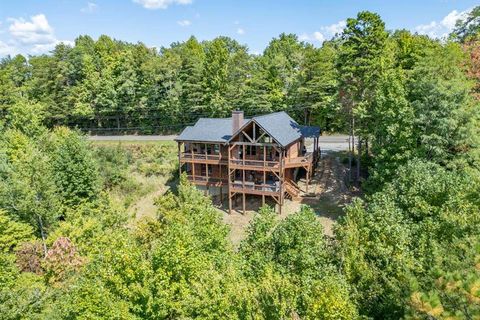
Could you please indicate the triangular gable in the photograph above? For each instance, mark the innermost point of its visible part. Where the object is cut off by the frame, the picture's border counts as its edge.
(242, 128)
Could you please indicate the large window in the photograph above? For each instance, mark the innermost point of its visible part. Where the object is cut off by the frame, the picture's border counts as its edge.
(251, 150)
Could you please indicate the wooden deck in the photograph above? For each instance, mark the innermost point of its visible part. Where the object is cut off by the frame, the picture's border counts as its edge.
(203, 158)
(207, 181)
(248, 168)
(302, 161)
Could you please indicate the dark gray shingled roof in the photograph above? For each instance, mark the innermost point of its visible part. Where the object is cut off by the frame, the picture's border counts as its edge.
(279, 125)
(310, 131)
(208, 130)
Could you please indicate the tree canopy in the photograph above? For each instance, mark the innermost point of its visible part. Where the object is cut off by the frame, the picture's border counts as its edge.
(407, 248)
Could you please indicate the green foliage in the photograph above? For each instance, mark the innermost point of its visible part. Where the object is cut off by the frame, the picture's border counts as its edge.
(328, 298)
(393, 125)
(455, 292)
(409, 249)
(468, 27)
(298, 245)
(75, 171)
(361, 59)
(415, 225)
(12, 233)
(445, 126)
(27, 188)
(26, 117)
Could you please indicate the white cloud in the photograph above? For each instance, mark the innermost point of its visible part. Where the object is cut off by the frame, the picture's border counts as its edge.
(44, 48)
(37, 30)
(6, 49)
(335, 28)
(450, 19)
(318, 36)
(160, 4)
(442, 28)
(240, 31)
(184, 23)
(33, 36)
(304, 37)
(90, 8)
(324, 32)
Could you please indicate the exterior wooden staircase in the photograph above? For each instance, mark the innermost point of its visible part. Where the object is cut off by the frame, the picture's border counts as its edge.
(292, 190)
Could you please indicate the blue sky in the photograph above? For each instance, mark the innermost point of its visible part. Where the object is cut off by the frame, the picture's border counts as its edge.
(35, 26)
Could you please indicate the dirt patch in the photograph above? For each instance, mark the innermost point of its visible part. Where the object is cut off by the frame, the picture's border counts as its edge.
(145, 206)
(327, 196)
(238, 221)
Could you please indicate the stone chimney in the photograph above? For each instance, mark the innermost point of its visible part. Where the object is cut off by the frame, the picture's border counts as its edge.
(237, 120)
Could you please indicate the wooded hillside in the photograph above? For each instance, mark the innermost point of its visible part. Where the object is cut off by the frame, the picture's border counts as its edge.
(409, 249)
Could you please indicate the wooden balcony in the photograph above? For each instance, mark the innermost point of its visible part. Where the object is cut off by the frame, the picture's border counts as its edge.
(207, 181)
(255, 188)
(302, 161)
(203, 158)
(251, 164)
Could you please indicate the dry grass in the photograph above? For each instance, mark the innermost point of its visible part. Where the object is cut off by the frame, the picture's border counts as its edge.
(142, 168)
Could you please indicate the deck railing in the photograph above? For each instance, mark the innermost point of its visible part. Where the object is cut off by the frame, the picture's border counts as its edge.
(200, 156)
(248, 185)
(254, 163)
(307, 158)
(205, 179)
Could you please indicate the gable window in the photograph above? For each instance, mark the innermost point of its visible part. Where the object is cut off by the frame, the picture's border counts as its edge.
(251, 150)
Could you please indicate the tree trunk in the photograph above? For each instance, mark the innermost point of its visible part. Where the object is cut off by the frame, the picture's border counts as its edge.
(350, 155)
(358, 160)
(40, 224)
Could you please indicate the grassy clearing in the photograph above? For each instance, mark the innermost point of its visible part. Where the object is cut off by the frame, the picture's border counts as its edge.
(127, 143)
(136, 172)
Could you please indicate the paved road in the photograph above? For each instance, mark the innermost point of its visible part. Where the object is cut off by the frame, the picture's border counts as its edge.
(333, 143)
(327, 143)
(132, 138)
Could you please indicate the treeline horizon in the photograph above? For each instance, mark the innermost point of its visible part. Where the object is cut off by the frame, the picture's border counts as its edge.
(114, 86)
(407, 248)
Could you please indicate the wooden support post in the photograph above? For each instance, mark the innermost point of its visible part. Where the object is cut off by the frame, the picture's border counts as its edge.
(282, 179)
(308, 177)
(243, 194)
(193, 171)
(243, 181)
(229, 181)
(179, 160)
(263, 200)
(243, 155)
(206, 171)
(264, 155)
(221, 195)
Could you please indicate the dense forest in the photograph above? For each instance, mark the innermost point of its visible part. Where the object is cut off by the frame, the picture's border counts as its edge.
(408, 249)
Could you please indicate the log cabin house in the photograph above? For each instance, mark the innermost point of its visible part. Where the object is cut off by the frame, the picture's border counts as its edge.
(262, 156)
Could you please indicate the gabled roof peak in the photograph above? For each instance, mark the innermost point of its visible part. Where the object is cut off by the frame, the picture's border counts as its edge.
(279, 125)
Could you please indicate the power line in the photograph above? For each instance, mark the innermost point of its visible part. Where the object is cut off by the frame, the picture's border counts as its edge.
(149, 123)
(104, 114)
